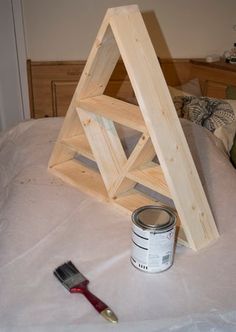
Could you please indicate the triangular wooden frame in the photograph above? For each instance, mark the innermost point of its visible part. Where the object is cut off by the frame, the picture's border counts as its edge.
(89, 130)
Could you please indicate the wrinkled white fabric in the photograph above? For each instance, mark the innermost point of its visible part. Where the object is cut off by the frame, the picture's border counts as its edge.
(45, 222)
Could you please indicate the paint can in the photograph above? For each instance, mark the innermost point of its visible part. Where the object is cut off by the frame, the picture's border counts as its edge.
(153, 238)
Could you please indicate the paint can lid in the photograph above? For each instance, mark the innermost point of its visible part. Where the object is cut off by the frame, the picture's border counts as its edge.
(154, 217)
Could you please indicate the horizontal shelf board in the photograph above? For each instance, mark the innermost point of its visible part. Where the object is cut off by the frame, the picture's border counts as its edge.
(81, 177)
(116, 110)
(150, 175)
(133, 199)
(79, 144)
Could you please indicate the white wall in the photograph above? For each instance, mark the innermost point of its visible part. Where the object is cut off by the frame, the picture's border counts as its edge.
(66, 29)
(11, 106)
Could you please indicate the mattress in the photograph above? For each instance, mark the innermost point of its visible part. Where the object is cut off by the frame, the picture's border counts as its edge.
(45, 222)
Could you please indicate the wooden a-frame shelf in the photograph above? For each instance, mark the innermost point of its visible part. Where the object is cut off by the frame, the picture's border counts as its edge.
(89, 131)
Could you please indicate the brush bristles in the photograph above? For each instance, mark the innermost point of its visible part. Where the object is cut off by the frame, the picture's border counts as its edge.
(69, 275)
(66, 270)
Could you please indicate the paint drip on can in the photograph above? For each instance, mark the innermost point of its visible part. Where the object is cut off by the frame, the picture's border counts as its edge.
(153, 238)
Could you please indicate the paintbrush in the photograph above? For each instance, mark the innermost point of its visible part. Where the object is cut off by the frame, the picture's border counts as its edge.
(75, 282)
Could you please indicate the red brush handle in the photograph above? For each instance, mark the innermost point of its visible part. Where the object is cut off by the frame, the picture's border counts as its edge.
(96, 302)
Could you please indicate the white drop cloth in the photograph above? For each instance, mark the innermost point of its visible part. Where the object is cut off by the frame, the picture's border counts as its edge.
(44, 222)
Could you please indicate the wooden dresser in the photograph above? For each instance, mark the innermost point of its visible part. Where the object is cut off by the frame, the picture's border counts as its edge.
(52, 83)
(215, 77)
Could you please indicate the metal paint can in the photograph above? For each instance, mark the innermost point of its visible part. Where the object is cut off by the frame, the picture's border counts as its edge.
(153, 238)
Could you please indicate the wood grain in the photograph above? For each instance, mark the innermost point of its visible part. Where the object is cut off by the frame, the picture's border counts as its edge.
(123, 32)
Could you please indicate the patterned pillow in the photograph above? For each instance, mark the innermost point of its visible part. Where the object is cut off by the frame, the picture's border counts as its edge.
(208, 112)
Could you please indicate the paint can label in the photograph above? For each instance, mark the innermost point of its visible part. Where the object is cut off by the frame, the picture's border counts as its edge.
(152, 250)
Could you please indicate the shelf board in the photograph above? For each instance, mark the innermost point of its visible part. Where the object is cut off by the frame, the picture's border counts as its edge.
(126, 114)
(150, 175)
(81, 177)
(80, 144)
(133, 199)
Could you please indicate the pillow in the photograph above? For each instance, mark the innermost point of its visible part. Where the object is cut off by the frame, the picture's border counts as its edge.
(174, 92)
(209, 112)
(216, 115)
(191, 87)
(226, 134)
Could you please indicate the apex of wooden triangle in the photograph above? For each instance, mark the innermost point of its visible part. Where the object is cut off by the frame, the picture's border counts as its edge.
(125, 10)
(89, 153)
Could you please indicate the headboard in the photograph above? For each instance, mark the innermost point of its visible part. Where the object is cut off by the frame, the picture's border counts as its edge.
(52, 83)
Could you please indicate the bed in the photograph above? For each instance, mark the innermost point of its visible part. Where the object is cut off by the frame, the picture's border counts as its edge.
(45, 222)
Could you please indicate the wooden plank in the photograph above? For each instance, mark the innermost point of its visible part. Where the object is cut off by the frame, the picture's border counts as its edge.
(142, 152)
(93, 81)
(105, 144)
(133, 199)
(80, 144)
(71, 127)
(164, 128)
(100, 63)
(116, 110)
(61, 154)
(151, 176)
(81, 177)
